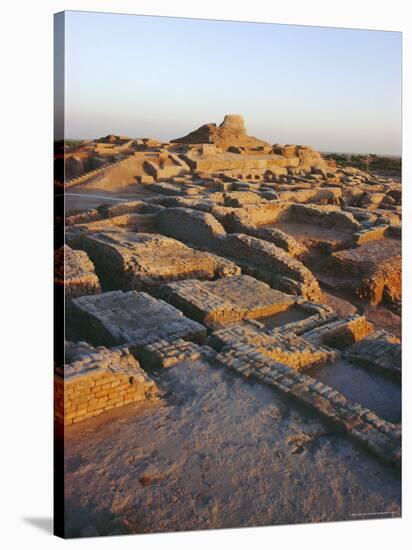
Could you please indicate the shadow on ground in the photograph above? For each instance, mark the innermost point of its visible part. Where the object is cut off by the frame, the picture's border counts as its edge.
(43, 524)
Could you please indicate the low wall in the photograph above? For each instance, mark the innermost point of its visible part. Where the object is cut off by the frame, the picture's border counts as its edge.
(74, 272)
(258, 214)
(101, 380)
(271, 264)
(193, 226)
(327, 216)
(378, 436)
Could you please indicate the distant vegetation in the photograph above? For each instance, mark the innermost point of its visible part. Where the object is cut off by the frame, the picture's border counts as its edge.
(369, 163)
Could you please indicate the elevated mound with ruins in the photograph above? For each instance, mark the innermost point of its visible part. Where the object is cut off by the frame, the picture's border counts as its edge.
(230, 133)
(192, 266)
(114, 163)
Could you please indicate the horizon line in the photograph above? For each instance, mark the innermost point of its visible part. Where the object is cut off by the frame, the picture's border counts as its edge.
(397, 155)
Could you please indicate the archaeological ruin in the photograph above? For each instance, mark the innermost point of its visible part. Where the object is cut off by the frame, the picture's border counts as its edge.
(219, 254)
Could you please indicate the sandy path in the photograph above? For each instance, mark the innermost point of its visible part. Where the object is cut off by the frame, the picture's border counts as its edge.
(218, 452)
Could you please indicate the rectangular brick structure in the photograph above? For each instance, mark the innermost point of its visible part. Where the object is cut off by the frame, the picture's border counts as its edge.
(288, 349)
(74, 272)
(271, 264)
(378, 351)
(226, 300)
(136, 261)
(95, 380)
(132, 318)
(372, 270)
(378, 436)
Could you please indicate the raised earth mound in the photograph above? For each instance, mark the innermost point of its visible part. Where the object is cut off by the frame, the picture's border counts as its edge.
(231, 132)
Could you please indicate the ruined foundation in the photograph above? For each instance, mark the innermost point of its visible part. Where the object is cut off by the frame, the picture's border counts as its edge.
(232, 257)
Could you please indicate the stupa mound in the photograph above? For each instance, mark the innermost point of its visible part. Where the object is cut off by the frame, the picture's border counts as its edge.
(231, 132)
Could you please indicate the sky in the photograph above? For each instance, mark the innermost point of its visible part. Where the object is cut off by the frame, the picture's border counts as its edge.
(140, 76)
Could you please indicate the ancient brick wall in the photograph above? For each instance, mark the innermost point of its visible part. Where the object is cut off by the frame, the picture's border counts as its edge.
(192, 226)
(272, 265)
(235, 223)
(372, 270)
(137, 261)
(226, 300)
(98, 380)
(75, 273)
(380, 437)
(325, 215)
(133, 318)
(264, 213)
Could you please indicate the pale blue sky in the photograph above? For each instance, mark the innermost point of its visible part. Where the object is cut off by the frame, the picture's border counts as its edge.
(333, 89)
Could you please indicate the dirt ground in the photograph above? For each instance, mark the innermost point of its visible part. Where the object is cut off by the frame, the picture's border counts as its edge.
(216, 452)
(83, 197)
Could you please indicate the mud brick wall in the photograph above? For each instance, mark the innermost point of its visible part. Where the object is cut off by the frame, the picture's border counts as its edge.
(241, 198)
(108, 260)
(328, 216)
(226, 300)
(372, 270)
(378, 436)
(340, 333)
(331, 195)
(236, 223)
(378, 351)
(83, 217)
(166, 354)
(194, 226)
(371, 234)
(133, 318)
(278, 238)
(288, 349)
(75, 273)
(312, 322)
(197, 301)
(204, 203)
(261, 214)
(132, 207)
(271, 264)
(133, 261)
(81, 286)
(99, 385)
